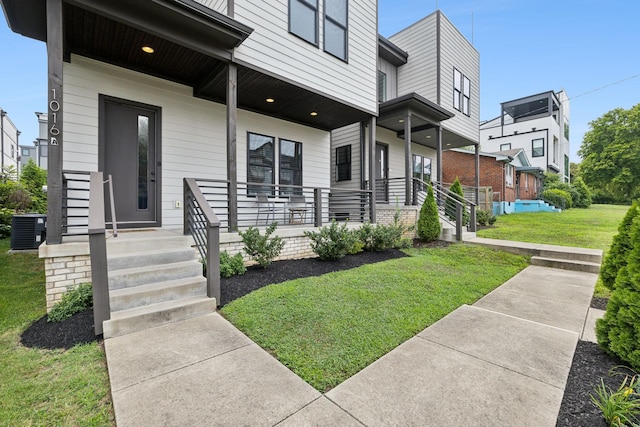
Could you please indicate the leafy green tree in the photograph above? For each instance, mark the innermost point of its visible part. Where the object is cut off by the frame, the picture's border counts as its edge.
(429, 221)
(33, 178)
(618, 331)
(620, 247)
(610, 151)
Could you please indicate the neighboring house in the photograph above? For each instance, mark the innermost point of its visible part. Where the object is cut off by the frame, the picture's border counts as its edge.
(39, 151)
(428, 90)
(9, 142)
(509, 174)
(538, 124)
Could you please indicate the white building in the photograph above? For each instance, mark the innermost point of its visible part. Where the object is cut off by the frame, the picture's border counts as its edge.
(538, 124)
(9, 141)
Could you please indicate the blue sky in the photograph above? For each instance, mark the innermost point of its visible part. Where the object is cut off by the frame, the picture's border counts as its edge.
(526, 47)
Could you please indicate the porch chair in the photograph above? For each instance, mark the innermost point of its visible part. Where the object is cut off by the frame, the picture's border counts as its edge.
(297, 209)
(265, 206)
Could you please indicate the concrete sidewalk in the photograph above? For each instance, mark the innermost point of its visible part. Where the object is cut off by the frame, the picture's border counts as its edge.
(502, 362)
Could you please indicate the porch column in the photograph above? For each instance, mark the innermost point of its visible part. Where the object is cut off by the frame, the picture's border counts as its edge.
(372, 168)
(407, 160)
(439, 153)
(55, 51)
(232, 169)
(477, 164)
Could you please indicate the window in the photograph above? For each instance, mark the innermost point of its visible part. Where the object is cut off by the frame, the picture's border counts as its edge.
(303, 19)
(260, 166)
(537, 147)
(343, 163)
(555, 150)
(382, 86)
(504, 147)
(509, 175)
(26, 152)
(566, 131)
(13, 151)
(290, 166)
(422, 170)
(335, 28)
(567, 168)
(461, 92)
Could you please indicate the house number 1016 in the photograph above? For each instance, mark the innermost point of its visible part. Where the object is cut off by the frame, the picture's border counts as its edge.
(54, 107)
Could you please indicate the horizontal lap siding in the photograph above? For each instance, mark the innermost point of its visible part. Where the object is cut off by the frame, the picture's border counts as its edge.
(193, 131)
(339, 138)
(272, 48)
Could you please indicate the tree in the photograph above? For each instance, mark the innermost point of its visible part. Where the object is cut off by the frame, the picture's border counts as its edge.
(620, 247)
(429, 221)
(33, 178)
(610, 151)
(456, 193)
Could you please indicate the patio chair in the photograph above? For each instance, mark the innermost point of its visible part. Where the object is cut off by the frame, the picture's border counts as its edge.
(297, 209)
(265, 206)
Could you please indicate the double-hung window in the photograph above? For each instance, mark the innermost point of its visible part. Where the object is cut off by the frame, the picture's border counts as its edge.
(335, 28)
(537, 147)
(262, 165)
(461, 92)
(303, 19)
(290, 167)
(509, 175)
(343, 163)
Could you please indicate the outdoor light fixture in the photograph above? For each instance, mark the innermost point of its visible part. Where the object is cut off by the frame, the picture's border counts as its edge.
(147, 49)
(270, 100)
(401, 121)
(313, 113)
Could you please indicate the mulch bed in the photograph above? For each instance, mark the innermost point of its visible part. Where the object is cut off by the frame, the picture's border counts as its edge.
(590, 363)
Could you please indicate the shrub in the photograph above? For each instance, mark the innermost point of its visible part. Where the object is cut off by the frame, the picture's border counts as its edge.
(621, 245)
(484, 217)
(618, 331)
(262, 249)
(5, 221)
(231, 265)
(33, 178)
(584, 192)
(75, 300)
(380, 237)
(333, 242)
(456, 193)
(558, 198)
(620, 407)
(429, 221)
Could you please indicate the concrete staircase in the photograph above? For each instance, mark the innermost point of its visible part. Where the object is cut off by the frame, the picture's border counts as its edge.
(154, 278)
(563, 257)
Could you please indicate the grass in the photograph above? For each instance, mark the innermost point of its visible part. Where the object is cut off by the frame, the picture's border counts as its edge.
(327, 328)
(44, 387)
(585, 228)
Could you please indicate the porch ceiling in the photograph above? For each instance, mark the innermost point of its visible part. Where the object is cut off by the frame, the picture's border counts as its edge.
(192, 46)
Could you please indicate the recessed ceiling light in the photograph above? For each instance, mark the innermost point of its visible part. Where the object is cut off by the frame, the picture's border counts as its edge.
(401, 121)
(270, 100)
(147, 49)
(428, 136)
(448, 145)
(313, 113)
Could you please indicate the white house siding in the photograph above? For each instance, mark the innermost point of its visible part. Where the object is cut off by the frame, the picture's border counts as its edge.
(217, 5)
(10, 143)
(193, 131)
(348, 135)
(273, 49)
(392, 78)
(420, 73)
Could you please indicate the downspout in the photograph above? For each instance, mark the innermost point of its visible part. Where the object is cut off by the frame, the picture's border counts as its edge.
(2, 114)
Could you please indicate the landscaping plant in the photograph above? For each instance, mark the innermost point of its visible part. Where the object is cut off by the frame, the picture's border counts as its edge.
(379, 237)
(618, 331)
(75, 300)
(231, 265)
(616, 258)
(333, 242)
(485, 217)
(261, 248)
(559, 198)
(585, 199)
(622, 406)
(429, 221)
(456, 194)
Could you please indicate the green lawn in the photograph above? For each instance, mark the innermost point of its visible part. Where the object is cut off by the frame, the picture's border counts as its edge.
(44, 387)
(327, 328)
(587, 228)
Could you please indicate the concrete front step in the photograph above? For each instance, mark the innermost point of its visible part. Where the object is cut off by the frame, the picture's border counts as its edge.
(136, 276)
(153, 293)
(147, 258)
(146, 241)
(566, 264)
(137, 319)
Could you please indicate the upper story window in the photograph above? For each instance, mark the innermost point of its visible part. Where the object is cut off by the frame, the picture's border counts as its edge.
(537, 147)
(382, 86)
(335, 28)
(555, 150)
(461, 92)
(505, 147)
(566, 131)
(26, 152)
(343, 163)
(303, 19)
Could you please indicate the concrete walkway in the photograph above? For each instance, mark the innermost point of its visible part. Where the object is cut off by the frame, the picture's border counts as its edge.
(502, 362)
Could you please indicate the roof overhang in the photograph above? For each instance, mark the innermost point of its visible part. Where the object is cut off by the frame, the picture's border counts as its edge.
(390, 52)
(534, 170)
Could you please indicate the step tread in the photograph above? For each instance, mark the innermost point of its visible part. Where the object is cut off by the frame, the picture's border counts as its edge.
(158, 307)
(181, 249)
(565, 260)
(152, 268)
(156, 286)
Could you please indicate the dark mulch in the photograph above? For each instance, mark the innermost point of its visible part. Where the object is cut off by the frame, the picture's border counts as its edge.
(599, 303)
(590, 363)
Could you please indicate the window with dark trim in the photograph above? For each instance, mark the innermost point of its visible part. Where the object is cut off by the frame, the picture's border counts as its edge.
(260, 163)
(303, 19)
(537, 147)
(421, 170)
(290, 167)
(505, 147)
(335, 28)
(343, 163)
(461, 92)
(382, 86)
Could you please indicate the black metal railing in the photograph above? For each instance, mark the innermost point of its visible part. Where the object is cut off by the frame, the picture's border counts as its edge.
(201, 222)
(76, 201)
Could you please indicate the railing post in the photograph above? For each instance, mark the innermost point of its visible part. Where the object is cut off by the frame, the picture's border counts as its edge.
(459, 208)
(472, 220)
(98, 252)
(213, 262)
(317, 207)
(185, 204)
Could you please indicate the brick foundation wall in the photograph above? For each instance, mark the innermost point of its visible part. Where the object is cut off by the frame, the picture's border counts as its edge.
(295, 247)
(408, 218)
(64, 272)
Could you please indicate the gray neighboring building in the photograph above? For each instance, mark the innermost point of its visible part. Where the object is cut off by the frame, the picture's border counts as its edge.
(9, 136)
(39, 151)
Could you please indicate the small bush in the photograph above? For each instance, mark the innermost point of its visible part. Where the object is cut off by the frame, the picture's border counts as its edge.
(581, 188)
(621, 245)
(558, 198)
(231, 265)
(379, 238)
(262, 249)
(333, 242)
(456, 193)
(75, 300)
(485, 217)
(6, 215)
(429, 221)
